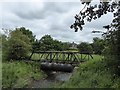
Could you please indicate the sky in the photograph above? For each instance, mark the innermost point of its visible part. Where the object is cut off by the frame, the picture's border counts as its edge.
(52, 17)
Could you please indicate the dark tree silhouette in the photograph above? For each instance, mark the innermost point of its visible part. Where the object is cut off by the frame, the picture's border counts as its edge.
(112, 36)
(92, 12)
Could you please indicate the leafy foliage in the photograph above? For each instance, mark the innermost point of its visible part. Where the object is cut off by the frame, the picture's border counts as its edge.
(85, 47)
(92, 12)
(16, 46)
(4, 47)
(113, 42)
(29, 34)
(93, 74)
(19, 45)
(98, 45)
(112, 36)
(47, 43)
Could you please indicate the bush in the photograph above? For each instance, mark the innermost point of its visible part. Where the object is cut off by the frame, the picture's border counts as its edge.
(85, 47)
(93, 74)
(4, 46)
(16, 46)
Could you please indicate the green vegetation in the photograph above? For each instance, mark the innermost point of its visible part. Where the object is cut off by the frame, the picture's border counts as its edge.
(98, 45)
(47, 43)
(20, 74)
(28, 33)
(106, 72)
(93, 74)
(111, 36)
(16, 46)
(85, 47)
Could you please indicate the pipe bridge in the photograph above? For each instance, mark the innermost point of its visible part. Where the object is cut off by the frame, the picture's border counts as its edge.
(59, 60)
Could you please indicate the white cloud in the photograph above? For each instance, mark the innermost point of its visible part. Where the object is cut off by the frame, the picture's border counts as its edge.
(52, 18)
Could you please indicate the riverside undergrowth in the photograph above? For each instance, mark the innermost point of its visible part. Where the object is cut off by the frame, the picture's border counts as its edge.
(93, 74)
(18, 74)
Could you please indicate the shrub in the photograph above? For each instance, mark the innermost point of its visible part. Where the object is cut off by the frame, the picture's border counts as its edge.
(85, 48)
(93, 74)
(17, 46)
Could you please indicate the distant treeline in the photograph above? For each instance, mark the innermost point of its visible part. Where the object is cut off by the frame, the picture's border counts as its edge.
(19, 42)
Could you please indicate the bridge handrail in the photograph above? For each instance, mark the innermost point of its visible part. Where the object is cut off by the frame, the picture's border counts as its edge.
(70, 55)
(62, 52)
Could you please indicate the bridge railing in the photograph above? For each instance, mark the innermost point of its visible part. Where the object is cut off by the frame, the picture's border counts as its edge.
(60, 56)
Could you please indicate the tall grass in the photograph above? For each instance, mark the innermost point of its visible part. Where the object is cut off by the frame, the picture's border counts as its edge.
(93, 74)
(19, 74)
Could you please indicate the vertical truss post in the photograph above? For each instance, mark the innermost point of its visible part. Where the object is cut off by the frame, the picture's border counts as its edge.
(68, 56)
(81, 56)
(41, 56)
(31, 55)
(63, 56)
(71, 58)
(54, 56)
(47, 54)
(51, 56)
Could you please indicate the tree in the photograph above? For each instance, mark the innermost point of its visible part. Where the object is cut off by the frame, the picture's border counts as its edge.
(46, 43)
(4, 46)
(98, 45)
(93, 12)
(28, 33)
(85, 47)
(17, 46)
(65, 46)
(36, 45)
(112, 36)
(57, 45)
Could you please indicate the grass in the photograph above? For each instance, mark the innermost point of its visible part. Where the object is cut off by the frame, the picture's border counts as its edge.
(19, 74)
(90, 74)
(93, 74)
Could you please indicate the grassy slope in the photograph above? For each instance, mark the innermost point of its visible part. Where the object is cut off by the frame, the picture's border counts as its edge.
(19, 74)
(93, 74)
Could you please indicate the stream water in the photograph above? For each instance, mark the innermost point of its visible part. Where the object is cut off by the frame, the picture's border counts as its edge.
(52, 79)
